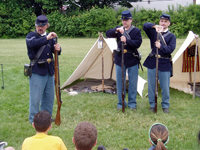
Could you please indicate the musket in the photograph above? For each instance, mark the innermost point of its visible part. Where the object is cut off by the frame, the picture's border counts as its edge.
(57, 85)
(122, 69)
(156, 82)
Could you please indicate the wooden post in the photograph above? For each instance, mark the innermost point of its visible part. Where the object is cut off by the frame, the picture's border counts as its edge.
(2, 76)
(195, 65)
(101, 47)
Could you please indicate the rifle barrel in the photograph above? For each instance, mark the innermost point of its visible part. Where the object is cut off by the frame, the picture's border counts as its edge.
(156, 79)
(122, 69)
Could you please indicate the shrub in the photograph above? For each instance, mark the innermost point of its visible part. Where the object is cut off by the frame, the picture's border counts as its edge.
(87, 23)
(15, 22)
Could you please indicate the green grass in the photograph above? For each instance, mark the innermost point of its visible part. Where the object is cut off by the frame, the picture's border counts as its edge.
(116, 130)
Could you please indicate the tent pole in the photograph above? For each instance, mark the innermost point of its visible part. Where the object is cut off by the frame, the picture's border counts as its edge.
(195, 65)
(101, 47)
(102, 71)
(112, 64)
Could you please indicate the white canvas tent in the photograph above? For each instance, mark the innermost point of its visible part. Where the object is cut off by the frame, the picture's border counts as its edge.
(91, 65)
(181, 79)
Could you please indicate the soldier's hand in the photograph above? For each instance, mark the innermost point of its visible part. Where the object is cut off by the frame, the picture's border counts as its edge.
(157, 44)
(51, 35)
(158, 28)
(123, 39)
(57, 47)
(121, 30)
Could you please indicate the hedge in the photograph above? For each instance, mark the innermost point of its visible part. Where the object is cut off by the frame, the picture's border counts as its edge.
(89, 22)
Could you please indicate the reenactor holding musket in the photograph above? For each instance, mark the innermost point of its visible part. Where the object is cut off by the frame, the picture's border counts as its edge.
(41, 46)
(165, 44)
(131, 37)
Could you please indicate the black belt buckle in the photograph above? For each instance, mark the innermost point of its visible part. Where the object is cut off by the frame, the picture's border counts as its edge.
(41, 62)
(151, 55)
(118, 50)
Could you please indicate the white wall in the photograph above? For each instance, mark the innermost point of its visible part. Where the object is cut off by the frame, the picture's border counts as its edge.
(160, 4)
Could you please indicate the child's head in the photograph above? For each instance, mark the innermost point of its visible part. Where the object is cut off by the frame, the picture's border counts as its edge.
(42, 121)
(159, 136)
(85, 136)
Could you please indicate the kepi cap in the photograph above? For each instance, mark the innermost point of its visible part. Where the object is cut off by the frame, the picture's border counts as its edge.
(126, 15)
(41, 20)
(165, 16)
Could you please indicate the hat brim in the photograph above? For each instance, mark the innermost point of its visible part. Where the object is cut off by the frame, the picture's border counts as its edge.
(40, 24)
(125, 18)
(165, 18)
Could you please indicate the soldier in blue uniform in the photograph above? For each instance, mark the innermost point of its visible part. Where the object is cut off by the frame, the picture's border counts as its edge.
(41, 82)
(166, 45)
(132, 38)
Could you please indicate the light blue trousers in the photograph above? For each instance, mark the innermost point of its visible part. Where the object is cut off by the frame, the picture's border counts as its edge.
(164, 80)
(41, 94)
(132, 89)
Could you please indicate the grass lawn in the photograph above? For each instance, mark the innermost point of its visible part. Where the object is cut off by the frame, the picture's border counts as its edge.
(116, 130)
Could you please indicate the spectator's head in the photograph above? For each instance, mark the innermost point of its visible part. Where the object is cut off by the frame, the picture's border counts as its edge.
(41, 24)
(42, 121)
(159, 136)
(85, 136)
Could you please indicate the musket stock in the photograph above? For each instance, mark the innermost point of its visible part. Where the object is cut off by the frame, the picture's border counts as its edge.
(57, 86)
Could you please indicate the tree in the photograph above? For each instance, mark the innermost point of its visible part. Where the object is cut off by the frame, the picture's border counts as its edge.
(48, 6)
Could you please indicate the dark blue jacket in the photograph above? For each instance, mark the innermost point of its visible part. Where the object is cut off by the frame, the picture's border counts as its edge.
(131, 46)
(34, 41)
(165, 51)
